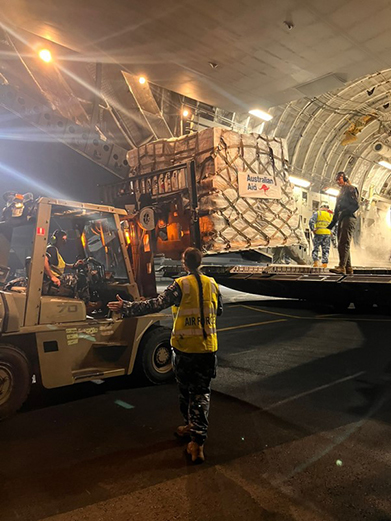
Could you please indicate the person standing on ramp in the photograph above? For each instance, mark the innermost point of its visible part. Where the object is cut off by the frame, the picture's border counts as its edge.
(322, 235)
(345, 208)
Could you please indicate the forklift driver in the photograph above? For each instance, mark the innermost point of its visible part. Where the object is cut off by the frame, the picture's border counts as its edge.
(61, 283)
(54, 263)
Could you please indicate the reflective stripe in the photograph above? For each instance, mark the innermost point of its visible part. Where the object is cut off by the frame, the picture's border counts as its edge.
(322, 221)
(208, 309)
(186, 286)
(195, 332)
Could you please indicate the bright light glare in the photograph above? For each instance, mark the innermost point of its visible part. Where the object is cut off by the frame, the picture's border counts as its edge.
(261, 114)
(45, 55)
(299, 182)
(385, 164)
(332, 191)
(142, 80)
(185, 113)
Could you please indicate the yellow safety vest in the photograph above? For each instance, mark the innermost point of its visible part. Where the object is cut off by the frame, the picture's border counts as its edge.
(58, 269)
(187, 334)
(323, 220)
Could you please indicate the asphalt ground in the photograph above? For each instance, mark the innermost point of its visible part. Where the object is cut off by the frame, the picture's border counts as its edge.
(291, 435)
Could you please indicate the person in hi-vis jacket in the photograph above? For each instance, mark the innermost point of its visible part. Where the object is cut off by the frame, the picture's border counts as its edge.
(322, 235)
(196, 302)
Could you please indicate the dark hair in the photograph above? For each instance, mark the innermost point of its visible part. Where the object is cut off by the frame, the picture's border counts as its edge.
(192, 257)
(343, 175)
(57, 234)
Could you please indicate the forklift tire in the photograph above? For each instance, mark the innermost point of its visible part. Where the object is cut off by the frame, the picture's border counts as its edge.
(154, 355)
(15, 380)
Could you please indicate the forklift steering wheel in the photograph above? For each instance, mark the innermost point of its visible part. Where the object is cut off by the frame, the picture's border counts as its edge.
(92, 267)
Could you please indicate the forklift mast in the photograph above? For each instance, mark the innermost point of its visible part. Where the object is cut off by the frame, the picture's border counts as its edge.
(162, 216)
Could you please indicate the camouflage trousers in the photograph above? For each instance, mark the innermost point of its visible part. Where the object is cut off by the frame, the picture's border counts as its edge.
(193, 373)
(71, 286)
(321, 241)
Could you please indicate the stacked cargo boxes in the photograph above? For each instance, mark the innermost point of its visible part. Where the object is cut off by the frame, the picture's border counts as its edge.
(245, 200)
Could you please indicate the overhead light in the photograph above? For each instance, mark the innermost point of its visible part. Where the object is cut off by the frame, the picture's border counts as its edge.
(185, 113)
(142, 80)
(299, 182)
(385, 164)
(332, 191)
(261, 114)
(45, 55)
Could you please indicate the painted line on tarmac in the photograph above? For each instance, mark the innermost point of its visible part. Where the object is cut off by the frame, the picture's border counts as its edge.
(306, 393)
(328, 315)
(270, 312)
(251, 325)
(123, 404)
(316, 317)
(242, 352)
(338, 316)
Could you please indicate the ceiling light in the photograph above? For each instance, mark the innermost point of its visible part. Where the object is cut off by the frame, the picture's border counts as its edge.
(332, 191)
(142, 80)
(299, 182)
(45, 55)
(261, 114)
(185, 113)
(385, 164)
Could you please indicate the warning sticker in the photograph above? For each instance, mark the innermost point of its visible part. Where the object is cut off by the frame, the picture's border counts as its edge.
(72, 336)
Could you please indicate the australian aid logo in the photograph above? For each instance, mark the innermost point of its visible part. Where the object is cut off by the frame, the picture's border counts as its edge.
(258, 186)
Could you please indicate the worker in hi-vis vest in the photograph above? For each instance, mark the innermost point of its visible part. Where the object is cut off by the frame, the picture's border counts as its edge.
(55, 265)
(318, 224)
(196, 302)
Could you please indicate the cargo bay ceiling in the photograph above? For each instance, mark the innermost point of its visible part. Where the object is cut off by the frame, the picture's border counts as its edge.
(322, 68)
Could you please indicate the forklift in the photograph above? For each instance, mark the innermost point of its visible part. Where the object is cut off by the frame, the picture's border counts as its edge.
(58, 340)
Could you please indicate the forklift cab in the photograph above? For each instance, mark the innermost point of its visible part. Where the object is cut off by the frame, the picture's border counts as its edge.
(53, 336)
(93, 232)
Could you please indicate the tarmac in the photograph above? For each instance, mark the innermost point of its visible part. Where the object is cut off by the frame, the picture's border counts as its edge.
(291, 438)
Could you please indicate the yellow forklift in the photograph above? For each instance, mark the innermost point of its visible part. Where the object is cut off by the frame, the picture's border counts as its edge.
(61, 340)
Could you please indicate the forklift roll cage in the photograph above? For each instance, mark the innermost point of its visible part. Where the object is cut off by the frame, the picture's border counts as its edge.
(52, 337)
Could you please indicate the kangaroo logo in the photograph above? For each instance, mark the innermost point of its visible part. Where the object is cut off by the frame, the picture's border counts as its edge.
(265, 188)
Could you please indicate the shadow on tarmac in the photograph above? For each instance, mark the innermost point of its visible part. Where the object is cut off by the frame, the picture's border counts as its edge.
(75, 446)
